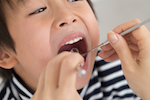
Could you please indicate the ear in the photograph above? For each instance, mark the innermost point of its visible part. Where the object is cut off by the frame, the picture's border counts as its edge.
(7, 60)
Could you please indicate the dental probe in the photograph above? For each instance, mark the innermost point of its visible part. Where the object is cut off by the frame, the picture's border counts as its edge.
(122, 34)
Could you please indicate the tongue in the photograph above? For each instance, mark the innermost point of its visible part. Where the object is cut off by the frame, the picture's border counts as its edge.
(68, 48)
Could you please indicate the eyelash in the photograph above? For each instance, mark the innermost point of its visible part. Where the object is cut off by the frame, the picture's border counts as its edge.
(38, 11)
(44, 8)
(72, 0)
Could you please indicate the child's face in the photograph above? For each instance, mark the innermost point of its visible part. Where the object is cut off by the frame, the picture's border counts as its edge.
(39, 36)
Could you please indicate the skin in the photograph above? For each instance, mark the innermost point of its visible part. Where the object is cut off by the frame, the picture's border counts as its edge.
(37, 38)
(134, 45)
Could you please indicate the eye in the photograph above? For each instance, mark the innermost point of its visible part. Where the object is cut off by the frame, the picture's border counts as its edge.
(72, 0)
(38, 11)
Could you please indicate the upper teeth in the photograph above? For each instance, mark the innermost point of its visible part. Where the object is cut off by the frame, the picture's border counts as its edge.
(74, 41)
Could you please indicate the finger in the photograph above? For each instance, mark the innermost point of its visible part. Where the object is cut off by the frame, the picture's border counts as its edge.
(143, 37)
(112, 58)
(133, 47)
(131, 39)
(122, 49)
(121, 28)
(107, 47)
(52, 71)
(106, 54)
(135, 54)
(67, 80)
(143, 40)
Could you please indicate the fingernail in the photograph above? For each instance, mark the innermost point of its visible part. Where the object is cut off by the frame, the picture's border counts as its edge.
(112, 37)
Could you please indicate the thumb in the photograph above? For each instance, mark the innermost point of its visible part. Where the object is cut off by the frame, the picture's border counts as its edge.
(121, 48)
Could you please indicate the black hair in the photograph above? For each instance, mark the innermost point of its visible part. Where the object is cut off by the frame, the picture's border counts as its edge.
(5, 38)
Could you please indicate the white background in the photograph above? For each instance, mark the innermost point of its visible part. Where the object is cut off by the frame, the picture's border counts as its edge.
(111, 13)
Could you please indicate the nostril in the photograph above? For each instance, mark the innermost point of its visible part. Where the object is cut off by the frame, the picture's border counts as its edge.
(62, 24)
(74, 20)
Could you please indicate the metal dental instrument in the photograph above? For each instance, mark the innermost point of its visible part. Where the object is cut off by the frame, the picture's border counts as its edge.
(81, 72)
(122, 34)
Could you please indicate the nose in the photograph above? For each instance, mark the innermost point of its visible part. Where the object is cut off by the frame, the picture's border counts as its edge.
(63, 18)
(63, 23)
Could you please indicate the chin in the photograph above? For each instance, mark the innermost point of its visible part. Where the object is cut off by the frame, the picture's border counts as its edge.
(82, 81)
(89, 64)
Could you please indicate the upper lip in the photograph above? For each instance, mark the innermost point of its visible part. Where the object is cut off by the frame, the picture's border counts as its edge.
(70, 37)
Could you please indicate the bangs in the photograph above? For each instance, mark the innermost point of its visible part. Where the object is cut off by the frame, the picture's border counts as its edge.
(13, 3)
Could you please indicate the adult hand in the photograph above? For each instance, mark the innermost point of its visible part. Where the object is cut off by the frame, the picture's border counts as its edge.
(134, 52)
(58, 80)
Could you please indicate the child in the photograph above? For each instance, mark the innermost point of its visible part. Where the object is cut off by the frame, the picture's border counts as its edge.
(33, 36)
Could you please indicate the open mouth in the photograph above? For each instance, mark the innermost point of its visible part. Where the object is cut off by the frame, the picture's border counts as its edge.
(78, 43)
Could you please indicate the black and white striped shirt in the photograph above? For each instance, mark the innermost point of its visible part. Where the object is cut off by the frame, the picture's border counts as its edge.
(107, 83)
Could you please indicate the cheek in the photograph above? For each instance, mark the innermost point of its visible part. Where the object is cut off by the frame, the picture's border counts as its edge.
(33, 38)
(94, 34)
(33, 48)
(93, 30)
(33, 58)
(92, 26)
(35, 52)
